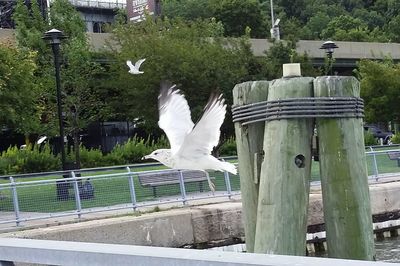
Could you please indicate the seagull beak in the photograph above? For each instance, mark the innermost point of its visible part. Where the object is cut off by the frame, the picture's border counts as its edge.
(145, 157)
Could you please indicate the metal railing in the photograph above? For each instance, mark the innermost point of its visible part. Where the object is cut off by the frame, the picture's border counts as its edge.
(84, 192)
(30, 197)
(99, 4)
(80, 253)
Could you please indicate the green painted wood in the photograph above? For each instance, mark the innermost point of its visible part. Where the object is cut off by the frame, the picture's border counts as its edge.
(284, 187)
(249, 140)
(347, 208)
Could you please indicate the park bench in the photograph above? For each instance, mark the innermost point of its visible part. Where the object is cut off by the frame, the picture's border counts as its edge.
(157, 179)
(394, 155)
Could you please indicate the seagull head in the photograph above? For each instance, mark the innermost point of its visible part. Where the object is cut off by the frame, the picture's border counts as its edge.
(161, 155)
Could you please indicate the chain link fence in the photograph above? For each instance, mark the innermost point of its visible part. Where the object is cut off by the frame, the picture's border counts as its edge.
(76, 193)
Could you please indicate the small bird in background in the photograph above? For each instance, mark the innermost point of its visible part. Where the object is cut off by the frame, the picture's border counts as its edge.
(191, 145)
(134, 69)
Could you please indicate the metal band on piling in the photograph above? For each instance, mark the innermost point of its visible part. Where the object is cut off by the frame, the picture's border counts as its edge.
(308, 107)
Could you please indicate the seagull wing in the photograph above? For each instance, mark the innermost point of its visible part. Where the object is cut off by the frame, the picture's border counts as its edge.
(139, 63)
(205, 135)
(175, 117)
(130, 65)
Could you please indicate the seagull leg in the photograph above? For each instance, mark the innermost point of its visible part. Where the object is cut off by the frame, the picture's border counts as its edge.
(210, 183)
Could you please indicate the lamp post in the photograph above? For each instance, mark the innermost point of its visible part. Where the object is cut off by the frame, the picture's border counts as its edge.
(329, 47)
(54, 37)
(274, 24)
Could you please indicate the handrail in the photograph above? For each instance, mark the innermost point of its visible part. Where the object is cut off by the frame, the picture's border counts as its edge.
(83, 253)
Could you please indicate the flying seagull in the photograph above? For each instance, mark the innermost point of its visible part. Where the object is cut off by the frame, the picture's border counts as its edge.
(134, 69)
(191, 145)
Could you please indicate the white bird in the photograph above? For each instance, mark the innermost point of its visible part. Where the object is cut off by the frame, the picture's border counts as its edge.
(41, 140)
(134, 69)
(191, 145)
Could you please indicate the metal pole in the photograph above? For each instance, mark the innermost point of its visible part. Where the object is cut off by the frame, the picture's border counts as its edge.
(182, 186)
(77, 195)
(15, 200)
(375, 163)
(56, 51)
(272, 14)
(228, 184)
(131, 188)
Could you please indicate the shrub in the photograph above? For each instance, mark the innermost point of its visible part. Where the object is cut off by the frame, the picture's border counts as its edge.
(369, 138)
(29, 160)
(395, 138)
(133, 150)
(32, 159)
(91, 157)
(228, 148)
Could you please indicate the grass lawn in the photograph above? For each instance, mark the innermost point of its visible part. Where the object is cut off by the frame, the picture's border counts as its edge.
(108, 191)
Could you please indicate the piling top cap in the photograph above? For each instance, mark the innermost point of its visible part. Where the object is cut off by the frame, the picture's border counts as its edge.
(291, 70)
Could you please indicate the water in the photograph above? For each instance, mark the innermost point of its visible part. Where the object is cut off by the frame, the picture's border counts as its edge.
(387, 250)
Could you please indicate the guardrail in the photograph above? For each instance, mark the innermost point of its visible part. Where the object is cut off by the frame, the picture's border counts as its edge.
(24, 198)
(81, 194)
(80, 253)
(98, 4)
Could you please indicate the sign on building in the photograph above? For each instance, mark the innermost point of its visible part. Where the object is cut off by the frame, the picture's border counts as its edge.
(137, 9)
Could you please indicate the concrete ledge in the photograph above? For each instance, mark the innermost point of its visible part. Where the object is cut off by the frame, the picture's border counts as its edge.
(190, 225)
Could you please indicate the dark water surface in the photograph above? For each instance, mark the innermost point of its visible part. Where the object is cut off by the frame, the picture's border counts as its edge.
(388, 250)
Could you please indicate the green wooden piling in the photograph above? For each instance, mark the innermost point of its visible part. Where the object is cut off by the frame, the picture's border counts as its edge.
(343, 171)
(249, 140)
(284, 185)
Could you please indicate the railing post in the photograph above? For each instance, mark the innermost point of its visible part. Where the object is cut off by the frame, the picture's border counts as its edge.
(77, 195)
(227, 183)
(182, 186)
(375, 163)
(131, 188)
(15, 200)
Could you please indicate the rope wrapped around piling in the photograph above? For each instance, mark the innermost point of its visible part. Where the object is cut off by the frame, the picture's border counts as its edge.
(308, 107)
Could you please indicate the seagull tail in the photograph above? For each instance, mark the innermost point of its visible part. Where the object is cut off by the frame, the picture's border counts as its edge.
(229, 167)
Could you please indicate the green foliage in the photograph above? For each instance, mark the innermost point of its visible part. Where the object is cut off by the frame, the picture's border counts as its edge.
(236, 15)
(133, 150)
(369, 139)
(33, 160)
(281, 53)
(189, 9)
(17, 92)
(395, 139)
(228, 148)
(350, 20)
(28, 160)
(91, 158)
(193, 55)
(380, 89)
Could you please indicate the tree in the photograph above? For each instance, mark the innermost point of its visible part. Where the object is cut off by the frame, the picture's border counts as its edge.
(17, 92)
(80, 103)
(317, 24)
(236, 15)
(281, 53)
(346, 28)
(193, 55)
(187, 9)
(380, 89)
(393, 29)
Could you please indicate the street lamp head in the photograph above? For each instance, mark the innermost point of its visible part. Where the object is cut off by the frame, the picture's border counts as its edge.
(54, 36)
(329, 46)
